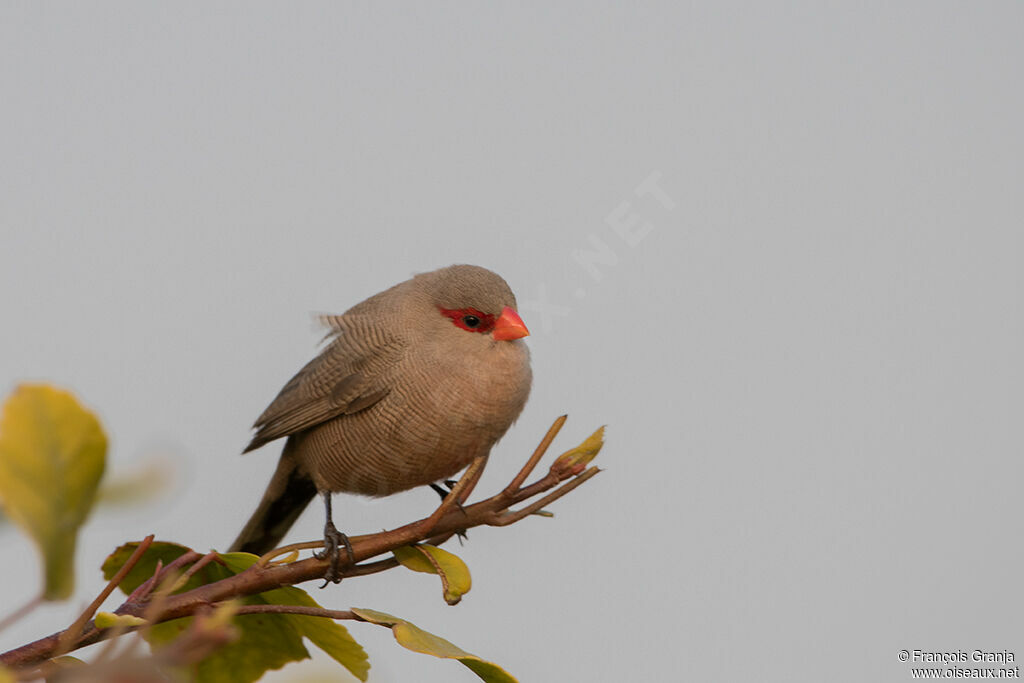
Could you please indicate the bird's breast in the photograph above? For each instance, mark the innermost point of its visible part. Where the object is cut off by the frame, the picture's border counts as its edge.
(441, 412)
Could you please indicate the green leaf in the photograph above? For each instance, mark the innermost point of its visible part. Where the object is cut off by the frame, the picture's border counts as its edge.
(52, 455)
(267, 641)
(455, 578)
(416, 639)
(327, 634)
(264, 642)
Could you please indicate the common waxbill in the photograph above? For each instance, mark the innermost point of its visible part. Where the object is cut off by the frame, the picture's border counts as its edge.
(415, 383)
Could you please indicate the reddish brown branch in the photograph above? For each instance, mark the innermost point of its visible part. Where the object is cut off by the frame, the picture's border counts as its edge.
(471, 475)
(538, 453)
(265, 575)
(68, 637)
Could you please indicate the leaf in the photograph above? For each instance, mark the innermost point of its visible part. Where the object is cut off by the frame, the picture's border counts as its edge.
(109, 620)
(52, 455)
(67, 661)
(266, 641)
(416, 639)
(139, 485)
(455, 578)
(327, 634)
(263, 644)
(575, 460)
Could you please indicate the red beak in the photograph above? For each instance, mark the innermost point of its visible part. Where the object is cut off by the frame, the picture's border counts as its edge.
(509, 326)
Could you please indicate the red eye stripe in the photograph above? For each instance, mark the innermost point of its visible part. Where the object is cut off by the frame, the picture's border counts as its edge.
(463, 317)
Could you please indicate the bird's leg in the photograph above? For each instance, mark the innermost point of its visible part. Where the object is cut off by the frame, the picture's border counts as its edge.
(333, 540)
(440, 490)
(462, 488)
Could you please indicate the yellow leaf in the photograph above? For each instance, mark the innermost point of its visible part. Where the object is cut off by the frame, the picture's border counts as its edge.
(66, 662)
(455, 578)
(286, 559)
(416, 639)
(52, 455)
(109, 620)
(575, 460)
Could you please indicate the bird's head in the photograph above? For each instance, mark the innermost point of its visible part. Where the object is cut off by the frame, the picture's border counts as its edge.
(473, 301)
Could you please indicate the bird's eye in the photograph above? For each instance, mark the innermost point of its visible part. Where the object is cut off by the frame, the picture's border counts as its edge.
(470, 319)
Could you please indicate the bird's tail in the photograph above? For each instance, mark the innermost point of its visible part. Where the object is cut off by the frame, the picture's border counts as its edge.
(287, 495)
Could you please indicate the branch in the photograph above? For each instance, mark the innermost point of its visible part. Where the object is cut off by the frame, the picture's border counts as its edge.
(266, 575)
(68, 637)
(296, 609)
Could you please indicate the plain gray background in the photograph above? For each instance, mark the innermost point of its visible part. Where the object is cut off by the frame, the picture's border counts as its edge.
(807, 351)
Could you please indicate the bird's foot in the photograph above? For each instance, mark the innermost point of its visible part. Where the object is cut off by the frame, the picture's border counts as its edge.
(333, 541)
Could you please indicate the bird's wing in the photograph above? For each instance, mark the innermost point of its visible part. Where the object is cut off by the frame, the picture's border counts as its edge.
(347, 376)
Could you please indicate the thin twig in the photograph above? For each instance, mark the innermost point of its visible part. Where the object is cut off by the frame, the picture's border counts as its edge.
(179, 562)
(514, 516)
(472, 472)
(160, 585)
(146, 587)
(371, 567)
(191, 571)
(471, 482)
(75, 629)
(268, 557)
(294, 609)
(538, 453)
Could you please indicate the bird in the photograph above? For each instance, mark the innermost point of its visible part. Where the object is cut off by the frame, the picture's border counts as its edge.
(412, 385)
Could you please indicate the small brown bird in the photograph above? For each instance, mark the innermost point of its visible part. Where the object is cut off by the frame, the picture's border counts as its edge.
(415, 383)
